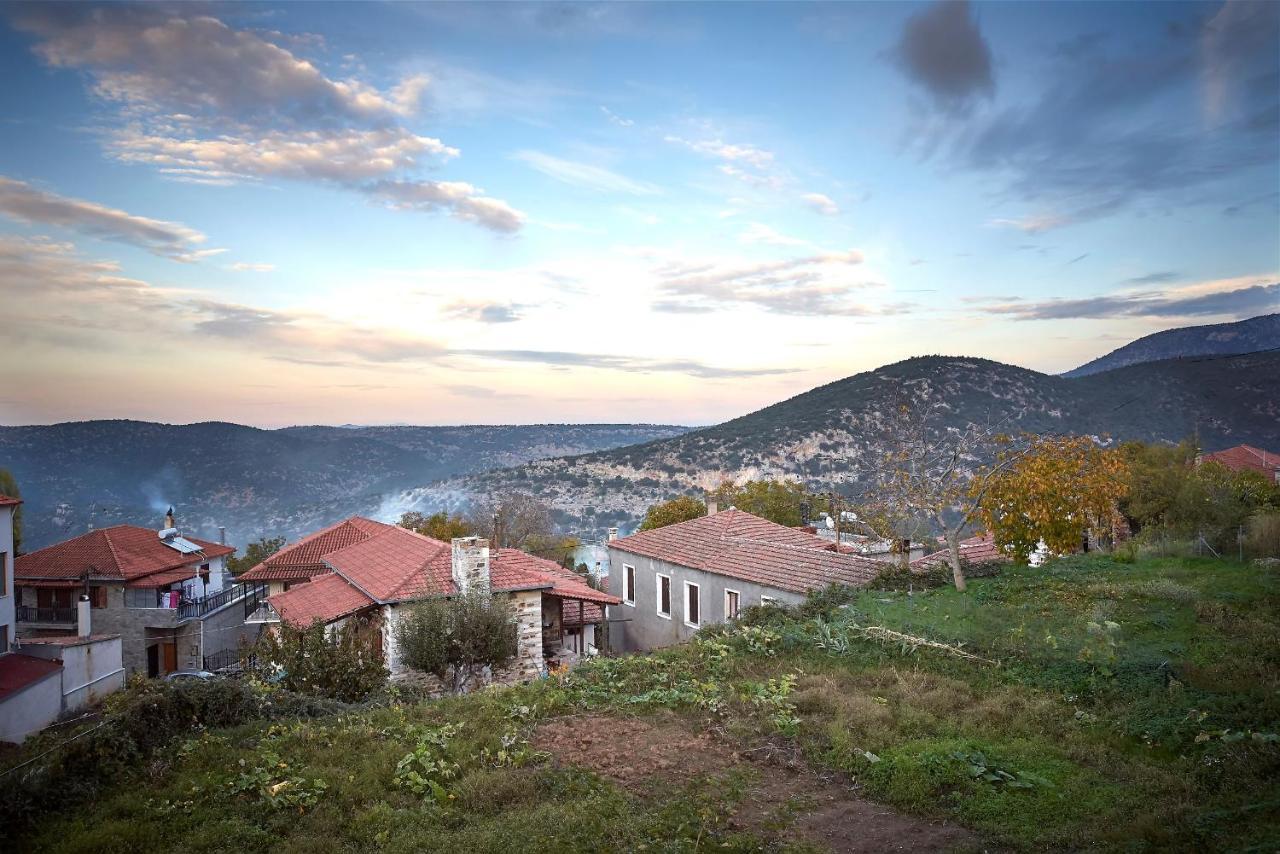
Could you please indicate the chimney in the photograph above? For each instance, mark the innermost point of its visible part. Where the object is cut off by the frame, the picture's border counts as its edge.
(471, 565)
(83, 629)
(613, 534)
(168, 519)
(713, 506)
(222, 534)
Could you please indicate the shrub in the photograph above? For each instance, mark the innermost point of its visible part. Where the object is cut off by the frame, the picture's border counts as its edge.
(1262, 535)
(343, 663)
(456, 639)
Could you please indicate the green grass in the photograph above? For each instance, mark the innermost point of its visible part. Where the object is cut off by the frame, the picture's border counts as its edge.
(1134, 707)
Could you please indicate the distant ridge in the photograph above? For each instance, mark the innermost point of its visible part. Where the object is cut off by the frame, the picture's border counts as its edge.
(1215, 339)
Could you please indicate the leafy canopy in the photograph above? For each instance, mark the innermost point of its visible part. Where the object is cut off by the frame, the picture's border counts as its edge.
(674, 511)
(437, 526)
(341, 663)
(457, 638)
(254, 554)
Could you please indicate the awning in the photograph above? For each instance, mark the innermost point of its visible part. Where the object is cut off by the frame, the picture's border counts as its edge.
(164, 579)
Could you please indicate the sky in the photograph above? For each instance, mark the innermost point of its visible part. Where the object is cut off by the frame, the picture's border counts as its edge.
(281, 214)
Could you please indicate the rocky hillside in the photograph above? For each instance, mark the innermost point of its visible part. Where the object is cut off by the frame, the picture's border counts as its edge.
(258, 482)
(1216, 339)
(831, 434)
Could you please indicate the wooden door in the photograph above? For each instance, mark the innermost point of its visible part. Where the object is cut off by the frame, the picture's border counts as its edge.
(170, 656)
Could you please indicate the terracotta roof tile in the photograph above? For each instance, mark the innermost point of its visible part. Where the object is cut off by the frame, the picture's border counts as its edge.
(6, 501)
(975, 551)
(1247, 457)
(305, 558)
(17, 671)
(325, 599)
(737, 544)
(118, 553)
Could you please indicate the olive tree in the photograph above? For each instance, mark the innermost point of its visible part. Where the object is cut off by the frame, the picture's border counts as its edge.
(457, 638)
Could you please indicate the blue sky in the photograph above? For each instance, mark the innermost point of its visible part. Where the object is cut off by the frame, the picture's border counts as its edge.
(330, 213)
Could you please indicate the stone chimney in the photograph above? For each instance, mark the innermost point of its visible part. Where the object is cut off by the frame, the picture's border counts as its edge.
(613, 534)
(471, 565)
(168, 520)
(83, 628)
(713, 506)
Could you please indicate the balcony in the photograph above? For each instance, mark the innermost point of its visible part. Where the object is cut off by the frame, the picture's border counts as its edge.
(54, 618)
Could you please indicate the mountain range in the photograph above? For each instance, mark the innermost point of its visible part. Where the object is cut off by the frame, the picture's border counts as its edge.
(290, 481)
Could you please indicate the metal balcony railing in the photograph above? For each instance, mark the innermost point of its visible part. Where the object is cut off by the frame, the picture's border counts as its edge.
(32, 614)
(251, 593)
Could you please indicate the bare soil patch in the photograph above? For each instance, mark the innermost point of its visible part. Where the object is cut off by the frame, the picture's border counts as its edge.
(786, 798)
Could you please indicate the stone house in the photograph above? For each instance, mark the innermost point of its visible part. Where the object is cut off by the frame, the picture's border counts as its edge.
(42, 680)
(386, 570)
(674, 580)
(167, 596)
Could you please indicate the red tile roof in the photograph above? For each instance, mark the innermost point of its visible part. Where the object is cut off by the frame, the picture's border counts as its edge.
(67, 640)
(1247, 458)
(17, 671)
(118, 553)
(737, 544)
(975, 551)
(305, 558)
(325, 599)
(6, 501)
(397, 565)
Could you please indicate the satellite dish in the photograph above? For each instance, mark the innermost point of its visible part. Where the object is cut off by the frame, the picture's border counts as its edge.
(831, 523)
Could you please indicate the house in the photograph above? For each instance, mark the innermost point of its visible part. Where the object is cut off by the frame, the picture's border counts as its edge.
(1246, 458)
(164, 594)
(304, 560)
(674, 580)
(388, 568)
(39, 682)
(979, 551)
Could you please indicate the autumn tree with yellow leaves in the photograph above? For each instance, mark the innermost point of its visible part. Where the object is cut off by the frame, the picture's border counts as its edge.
(1056, 489)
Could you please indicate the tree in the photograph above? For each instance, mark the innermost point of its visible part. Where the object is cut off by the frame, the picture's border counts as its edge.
(1057, 490)
(343, 663)
(676, 510)
(437, 526)
(456, 639)
(520, 521)
(932, 479)
(776, 500)
(254, 554)
(9, 487)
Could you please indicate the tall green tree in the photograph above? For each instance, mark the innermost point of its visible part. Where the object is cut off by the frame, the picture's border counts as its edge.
(776, 500)
(254, 554)
(671, 512)
(9, 487)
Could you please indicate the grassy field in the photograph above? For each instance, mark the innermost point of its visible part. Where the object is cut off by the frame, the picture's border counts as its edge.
(1087, 704)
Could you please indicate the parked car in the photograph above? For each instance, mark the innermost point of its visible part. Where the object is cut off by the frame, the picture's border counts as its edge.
(186, 675)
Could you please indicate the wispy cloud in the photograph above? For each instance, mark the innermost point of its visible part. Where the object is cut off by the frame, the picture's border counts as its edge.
(823, 204)
(616, 119)
(24, 202)
(1238, 302)
(586, 175)
(484, 312)
(251, 267)
(462, 200)
(758, 232)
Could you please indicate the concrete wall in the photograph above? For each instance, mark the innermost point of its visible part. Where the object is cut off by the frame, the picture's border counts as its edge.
(31, 709)
(90, 669)
(8, 596)
(640, 627)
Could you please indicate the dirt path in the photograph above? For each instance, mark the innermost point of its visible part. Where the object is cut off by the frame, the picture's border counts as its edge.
(784, 798)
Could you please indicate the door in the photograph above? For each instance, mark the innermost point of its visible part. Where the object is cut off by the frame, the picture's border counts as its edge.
(170, 656)
(153, 661)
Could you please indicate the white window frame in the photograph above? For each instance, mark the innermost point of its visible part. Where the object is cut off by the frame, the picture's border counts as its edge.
(689, 585)
(657, 595)
(628, 585)
(727, 615)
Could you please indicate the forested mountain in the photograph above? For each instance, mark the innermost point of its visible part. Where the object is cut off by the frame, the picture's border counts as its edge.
(257, 482)
(832, 434)
(1215, 339)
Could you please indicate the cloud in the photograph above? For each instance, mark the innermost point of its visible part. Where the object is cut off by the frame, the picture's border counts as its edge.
(1035, 224)
(484, 312)
(462, 200)
(809, 285)
(1240, 302)
(616, 119)
(943, 51)
(24, 202)
(824, 205)
(585, 175)
(206, 103)
(1153, 278)
(760, 233)
(146, 56)
(249, 267)
(559, 358)
(737, 153)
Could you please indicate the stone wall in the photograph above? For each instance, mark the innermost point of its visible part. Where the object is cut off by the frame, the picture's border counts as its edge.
(471, 564)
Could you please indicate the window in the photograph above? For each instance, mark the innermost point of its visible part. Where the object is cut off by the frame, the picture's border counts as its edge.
(628, 584)
(692, 615)
(664, 596)
(731, 600)
(768, 600)
(4, 639)
(4, 573)
(98, 597)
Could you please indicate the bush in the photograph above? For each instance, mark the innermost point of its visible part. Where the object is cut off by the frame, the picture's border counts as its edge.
(456, 639)
(1262, 535)
(342, 664)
